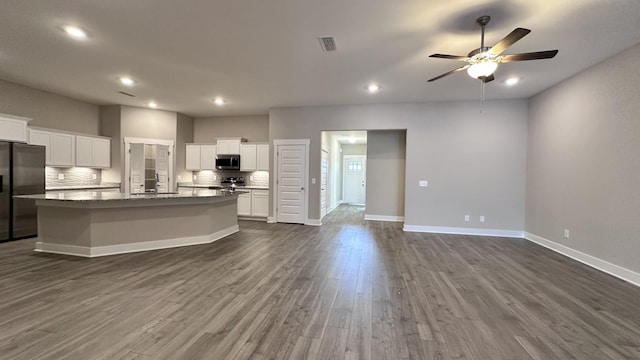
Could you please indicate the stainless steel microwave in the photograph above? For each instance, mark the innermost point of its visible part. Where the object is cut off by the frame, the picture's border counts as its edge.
(228, 162)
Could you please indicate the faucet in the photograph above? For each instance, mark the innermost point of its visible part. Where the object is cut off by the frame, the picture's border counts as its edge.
(155, 190)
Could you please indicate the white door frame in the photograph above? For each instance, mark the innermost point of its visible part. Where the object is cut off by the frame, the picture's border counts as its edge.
(279, 142)
(325, 149)
(127, 147)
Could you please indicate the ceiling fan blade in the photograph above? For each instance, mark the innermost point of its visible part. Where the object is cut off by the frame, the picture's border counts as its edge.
(486, 79)
(449, 73)
(450, 57)
(509, 40)
(548, 54)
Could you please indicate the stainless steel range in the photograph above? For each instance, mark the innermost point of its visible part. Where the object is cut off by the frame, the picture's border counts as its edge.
(232, 182)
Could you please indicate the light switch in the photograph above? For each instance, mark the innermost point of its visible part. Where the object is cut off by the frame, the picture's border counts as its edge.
(467, 218)
(481, 218)
(423, 183)
(313, 180)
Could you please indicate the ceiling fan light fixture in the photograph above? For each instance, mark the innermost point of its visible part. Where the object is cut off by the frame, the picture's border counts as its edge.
(483, 68)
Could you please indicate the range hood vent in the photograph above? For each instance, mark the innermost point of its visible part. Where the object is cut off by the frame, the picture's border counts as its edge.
(327, 43)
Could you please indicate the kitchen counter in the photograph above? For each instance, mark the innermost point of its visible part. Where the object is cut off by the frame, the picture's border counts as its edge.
(90, 224)
(84, 187)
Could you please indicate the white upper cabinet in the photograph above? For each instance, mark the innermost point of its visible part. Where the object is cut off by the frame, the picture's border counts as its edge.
(200, 157)
(208, 157)
(248, 157)
(93, 152)
(254, 157)
(229, 146)
(68, 150)
(193, 157)
(13, 128)
(63, 150)
(263, 157)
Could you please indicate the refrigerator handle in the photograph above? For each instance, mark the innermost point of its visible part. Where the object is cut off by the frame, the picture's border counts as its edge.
(1, 184)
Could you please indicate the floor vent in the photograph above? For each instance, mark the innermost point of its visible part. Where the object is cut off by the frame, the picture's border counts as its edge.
(126, 93)
(327, 43)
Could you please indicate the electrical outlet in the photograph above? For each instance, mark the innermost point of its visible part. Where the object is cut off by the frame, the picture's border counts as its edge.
(215, 177)
(60, 176)
(313, 180)
(195, 177)
(179, 177)
(94, 176)
(423, 183)
(467, 218)
(481, 218)
(566, 233)
(251, 178)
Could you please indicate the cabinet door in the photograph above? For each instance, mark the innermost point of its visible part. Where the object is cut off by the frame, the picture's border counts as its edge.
(248, 158)
(260, 203)
(193, 157)
(63, 149)
(229, 147)
(244, 204)
(101, 153)
(263, 157)
(43, 138)
(208, 157)
(84, 151)
(13, 129)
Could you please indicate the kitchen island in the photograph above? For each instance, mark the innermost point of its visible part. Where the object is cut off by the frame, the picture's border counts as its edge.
(92, 224)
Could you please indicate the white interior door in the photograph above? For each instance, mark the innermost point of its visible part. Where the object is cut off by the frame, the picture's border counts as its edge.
(324, 173)
(354, 178)
(162, 167)
(290, 183)
(136, 168)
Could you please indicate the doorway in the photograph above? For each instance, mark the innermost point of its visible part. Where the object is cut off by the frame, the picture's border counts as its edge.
(354, 175)
(148, 165)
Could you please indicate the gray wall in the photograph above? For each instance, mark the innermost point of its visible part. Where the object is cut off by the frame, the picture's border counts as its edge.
(583, 161)
(475, 162)
(148, 123)
(110, 126)
(253, 128)
(354, 149)
(184, 134)
(48, 110)
(385, 172)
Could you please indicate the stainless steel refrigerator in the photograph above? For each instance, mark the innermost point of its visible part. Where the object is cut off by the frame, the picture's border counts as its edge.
(21, 173)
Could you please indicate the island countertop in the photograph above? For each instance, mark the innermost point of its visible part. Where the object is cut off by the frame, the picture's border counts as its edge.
(114, 196)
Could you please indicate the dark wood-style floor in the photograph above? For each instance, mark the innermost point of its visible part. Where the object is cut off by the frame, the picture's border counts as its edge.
(347, 290)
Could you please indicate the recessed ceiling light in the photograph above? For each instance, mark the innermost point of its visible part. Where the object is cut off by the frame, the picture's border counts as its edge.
(75, 32)
(512, 81)
(127, 81)
(153, 105)
(219, 101)
(373, 88)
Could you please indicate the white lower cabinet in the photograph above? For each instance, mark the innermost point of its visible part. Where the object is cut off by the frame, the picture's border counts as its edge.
(260, 203)
(253, 203)
(244, 204)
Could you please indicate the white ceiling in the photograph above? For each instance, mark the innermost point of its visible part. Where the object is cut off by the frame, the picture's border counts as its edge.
(264, 54)
(349, 137)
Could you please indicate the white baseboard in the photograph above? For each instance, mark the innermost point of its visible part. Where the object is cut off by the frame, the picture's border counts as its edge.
(313, 222)
(463, 231)
(271, 220)
(384, 218)
(97, 251)
(602, 265)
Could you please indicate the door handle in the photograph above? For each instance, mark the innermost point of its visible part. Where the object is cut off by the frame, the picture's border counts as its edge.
(302, 188)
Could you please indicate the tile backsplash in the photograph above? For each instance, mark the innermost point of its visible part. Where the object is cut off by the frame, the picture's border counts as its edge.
(255, 178)
(75, 176)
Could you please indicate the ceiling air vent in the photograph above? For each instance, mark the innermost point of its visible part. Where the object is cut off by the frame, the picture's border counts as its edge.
(327, 43)
(126, 93)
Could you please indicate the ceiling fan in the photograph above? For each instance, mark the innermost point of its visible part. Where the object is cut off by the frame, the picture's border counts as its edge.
(482, 62)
